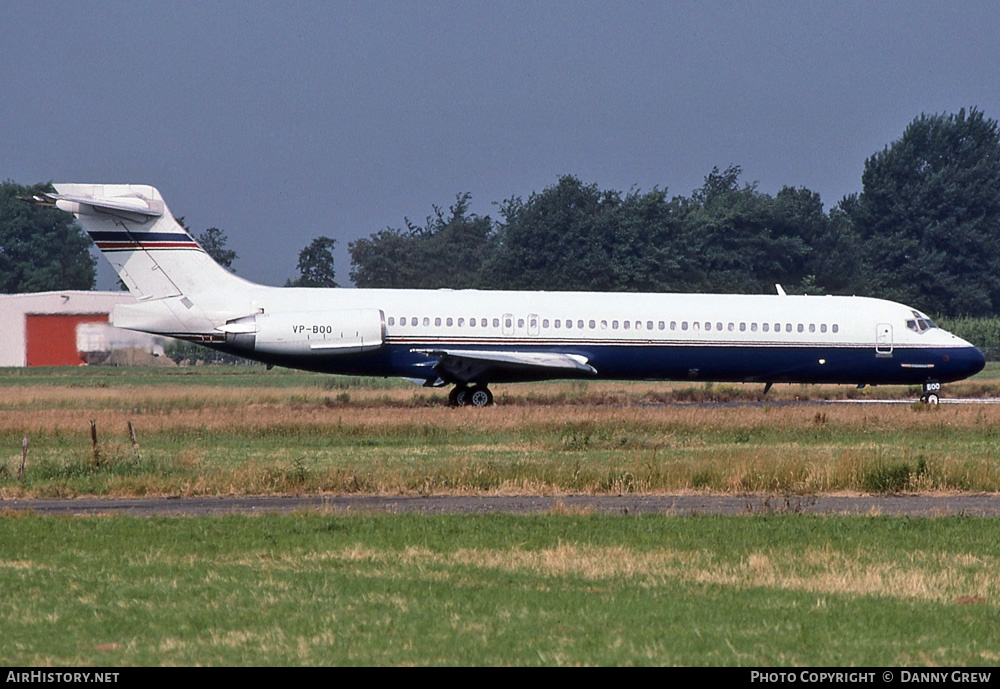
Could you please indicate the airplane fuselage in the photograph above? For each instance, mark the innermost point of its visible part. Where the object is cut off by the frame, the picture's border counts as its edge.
(706, 337)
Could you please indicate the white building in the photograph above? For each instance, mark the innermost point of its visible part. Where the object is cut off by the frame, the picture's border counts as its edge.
(66, 328)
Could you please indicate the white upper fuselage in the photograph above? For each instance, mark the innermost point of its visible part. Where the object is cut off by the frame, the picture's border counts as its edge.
(557, 317)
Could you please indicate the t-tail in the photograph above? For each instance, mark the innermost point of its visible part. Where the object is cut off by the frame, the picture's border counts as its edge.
(176, 283)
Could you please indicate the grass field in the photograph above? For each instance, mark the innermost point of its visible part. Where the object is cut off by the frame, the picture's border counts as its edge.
(558, 589)
(243, 430)
(547, 590)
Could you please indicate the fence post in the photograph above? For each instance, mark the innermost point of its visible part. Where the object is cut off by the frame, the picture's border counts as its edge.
(24, 457)
(135, 444)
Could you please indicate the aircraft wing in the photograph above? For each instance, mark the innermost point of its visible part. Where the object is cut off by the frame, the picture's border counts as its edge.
(469, 365)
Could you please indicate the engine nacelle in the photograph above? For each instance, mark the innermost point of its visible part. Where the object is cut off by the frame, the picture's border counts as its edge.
(309, 332)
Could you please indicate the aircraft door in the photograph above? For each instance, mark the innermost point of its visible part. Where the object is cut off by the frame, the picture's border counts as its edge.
(883, 339)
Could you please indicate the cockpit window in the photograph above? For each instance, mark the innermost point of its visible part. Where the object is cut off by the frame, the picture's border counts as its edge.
(920, 323)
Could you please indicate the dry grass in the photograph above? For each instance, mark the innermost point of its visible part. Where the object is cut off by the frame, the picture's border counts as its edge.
(220, 440)
(222, 408)
(939, 577)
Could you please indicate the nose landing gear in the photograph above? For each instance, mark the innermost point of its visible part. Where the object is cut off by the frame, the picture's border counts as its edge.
(932, 392)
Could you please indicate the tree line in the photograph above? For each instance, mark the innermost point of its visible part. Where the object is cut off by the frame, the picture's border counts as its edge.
(924, 230)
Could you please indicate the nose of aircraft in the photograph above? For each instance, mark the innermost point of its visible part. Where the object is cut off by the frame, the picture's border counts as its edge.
(969, 362)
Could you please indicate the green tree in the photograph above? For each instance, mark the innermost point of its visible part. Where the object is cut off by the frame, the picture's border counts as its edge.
(213, 241)
(316, 265)
(651, 252)
(744, 240)
(560, 239)
(449, 250)
(41, 248)
(928, 215)
(385, 259)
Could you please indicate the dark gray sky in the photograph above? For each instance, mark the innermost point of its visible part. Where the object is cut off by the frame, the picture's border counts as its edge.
(279, 122)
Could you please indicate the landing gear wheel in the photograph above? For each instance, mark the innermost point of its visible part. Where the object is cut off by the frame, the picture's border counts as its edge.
(932, 388)
(459, 396)
(480, 397)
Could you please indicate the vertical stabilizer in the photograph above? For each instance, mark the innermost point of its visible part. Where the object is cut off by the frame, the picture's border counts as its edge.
(153, 255)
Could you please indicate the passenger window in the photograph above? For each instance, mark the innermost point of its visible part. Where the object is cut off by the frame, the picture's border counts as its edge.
(509, 323)
(593, 324)
(753, 327)
(520, 322)
(836, 328)
(743, 327)
(545, 322)
(732, 327)
(777, 327)
(649, 325)
(427, 320)
(534, 323)
(684, 325)
(472, 322)
(812, 327)
(708, 325)
(765, 327)
(496, 322)
(449, 321)
(673, 325)
(579, 324)
(822, 327)
(718, 326)
(661, 325)
(437, 321)
(392, 321)
(626, 324)
(558, 322)
(800, 328)
(788, 327)
(604, 325)
(461, 322)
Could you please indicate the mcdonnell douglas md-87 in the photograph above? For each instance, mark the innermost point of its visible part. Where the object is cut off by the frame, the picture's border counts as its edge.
(471, 338)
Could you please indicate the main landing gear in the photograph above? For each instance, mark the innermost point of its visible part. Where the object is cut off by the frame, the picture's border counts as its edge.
(932, 392)
(464, 396)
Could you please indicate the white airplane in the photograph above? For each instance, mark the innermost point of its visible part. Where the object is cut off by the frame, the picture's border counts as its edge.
(471, 338)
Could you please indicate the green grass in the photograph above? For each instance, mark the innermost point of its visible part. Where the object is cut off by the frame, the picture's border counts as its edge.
(250, 375)
(497, 590)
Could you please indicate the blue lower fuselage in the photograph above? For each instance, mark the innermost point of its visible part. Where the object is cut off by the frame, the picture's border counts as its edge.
(718, 363)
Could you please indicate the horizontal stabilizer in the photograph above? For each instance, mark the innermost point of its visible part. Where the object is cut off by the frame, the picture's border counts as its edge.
(126, 206)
